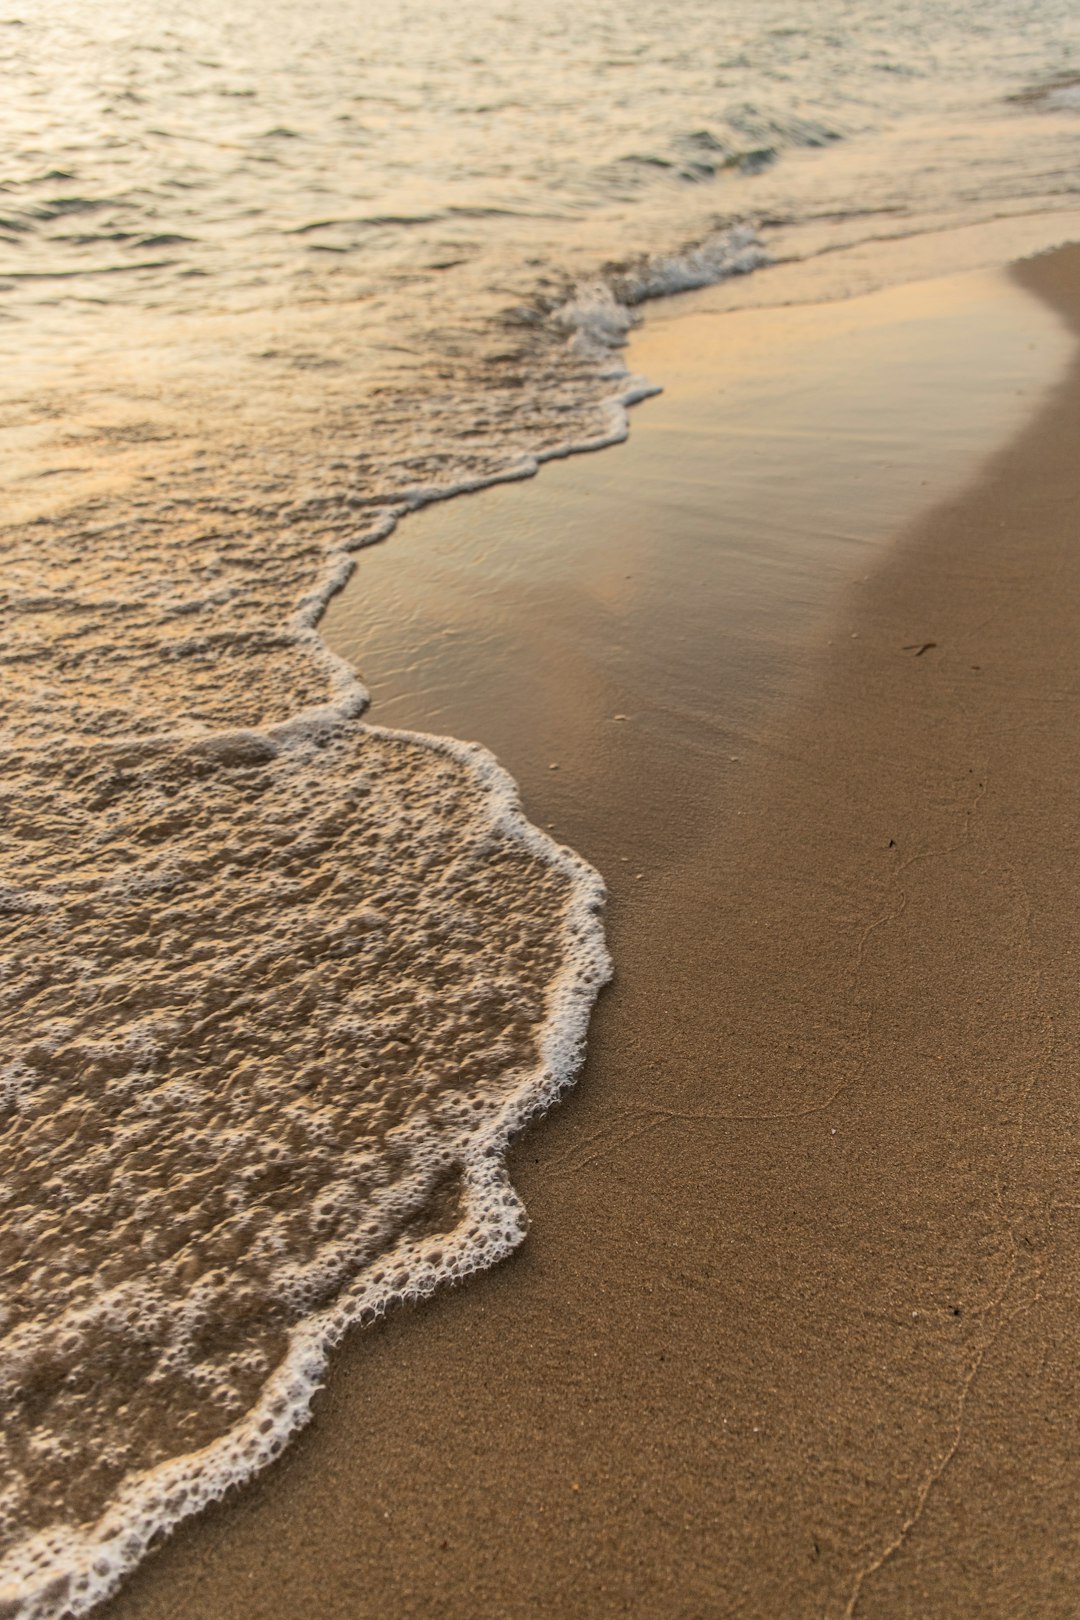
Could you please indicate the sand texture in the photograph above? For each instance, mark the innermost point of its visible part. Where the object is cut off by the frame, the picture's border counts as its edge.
(795, 1332)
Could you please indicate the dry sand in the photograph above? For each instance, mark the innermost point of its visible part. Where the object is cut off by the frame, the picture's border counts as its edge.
(796, 1329)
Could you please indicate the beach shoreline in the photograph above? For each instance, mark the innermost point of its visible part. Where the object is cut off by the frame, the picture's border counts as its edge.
(792, 1233)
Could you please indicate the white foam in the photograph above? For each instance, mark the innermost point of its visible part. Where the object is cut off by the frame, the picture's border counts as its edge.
(67, 1570)
(734, 251)
(594, 319)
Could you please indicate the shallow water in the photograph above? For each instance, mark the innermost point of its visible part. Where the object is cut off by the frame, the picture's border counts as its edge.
(278, 985)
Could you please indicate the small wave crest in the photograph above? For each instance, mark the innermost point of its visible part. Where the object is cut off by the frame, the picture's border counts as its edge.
(598, 315)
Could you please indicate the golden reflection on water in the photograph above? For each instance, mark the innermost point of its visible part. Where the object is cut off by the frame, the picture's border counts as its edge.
(679, 577)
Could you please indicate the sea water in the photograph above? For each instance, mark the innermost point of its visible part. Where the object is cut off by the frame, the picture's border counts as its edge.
(279, 985)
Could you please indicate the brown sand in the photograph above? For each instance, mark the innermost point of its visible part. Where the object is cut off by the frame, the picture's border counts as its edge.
(796, 1329)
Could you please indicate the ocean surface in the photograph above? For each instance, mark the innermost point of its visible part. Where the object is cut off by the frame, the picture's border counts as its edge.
(277, 984)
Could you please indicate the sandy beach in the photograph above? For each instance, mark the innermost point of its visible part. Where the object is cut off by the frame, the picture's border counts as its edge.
(794, 1330)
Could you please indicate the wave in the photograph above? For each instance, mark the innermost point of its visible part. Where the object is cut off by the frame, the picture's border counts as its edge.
(280, 985)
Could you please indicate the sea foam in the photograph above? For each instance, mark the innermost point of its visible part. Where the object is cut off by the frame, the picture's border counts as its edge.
(278, 1006)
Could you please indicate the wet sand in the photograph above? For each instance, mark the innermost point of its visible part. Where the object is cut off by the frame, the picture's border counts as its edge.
(795, 1330)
